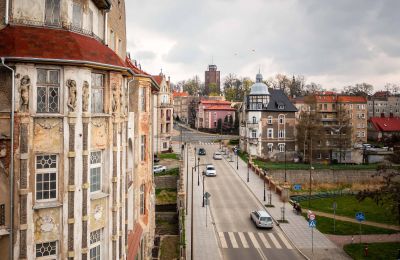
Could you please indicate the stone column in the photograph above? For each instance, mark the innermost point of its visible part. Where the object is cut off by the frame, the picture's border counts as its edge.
(85, 184)
(114, 190)
(71, 184)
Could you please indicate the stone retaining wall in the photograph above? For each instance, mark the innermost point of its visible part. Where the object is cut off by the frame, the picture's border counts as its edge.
(166, 182)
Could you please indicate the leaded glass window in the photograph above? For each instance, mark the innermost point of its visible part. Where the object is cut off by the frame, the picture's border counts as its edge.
(46, 249)
(48, 91)
(95, 171)
(46, 177)
(95, 244)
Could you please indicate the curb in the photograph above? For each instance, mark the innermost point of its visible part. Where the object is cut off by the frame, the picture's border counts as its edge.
(277, 223)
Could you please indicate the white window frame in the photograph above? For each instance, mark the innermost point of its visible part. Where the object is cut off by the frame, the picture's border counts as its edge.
(50, 21)
(281, 119)
(74, 22)
(270, 147)
(269, 120)
(270, 132)
(253, 133)
(281, 134)
(96, 166)
(281, 147)
(46, 171)
(47, 257)
(47, 85)
(95, 239)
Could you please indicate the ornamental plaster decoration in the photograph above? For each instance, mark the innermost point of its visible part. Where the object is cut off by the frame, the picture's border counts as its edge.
(98, 212)
(47, 223)
(49, 124)
(24, 93)
(85, 96)
(71, 95)
(97, 123)
(115, 98)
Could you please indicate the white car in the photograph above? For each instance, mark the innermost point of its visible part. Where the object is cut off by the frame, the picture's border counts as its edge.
(210, 171)
(159, 168)
(217, 156)
(261, 219)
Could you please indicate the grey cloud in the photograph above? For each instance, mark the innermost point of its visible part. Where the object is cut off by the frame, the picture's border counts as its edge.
(144, 55)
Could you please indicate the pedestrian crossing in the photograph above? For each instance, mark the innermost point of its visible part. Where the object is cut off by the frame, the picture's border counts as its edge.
(253, 240)
(208, 143)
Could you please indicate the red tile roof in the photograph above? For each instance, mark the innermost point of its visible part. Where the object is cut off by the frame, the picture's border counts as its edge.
(45, 43)
(134, 240)
(216, 102)
(352, 99)
(158, 79)
(386, 124)
(219, 108)
(134, 68)
(180, 94)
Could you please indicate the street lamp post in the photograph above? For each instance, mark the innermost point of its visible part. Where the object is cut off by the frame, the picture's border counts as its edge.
(237, 160)
(203, 188)
(198, 170)
(248, 170)
(265, 174)
(195, 155)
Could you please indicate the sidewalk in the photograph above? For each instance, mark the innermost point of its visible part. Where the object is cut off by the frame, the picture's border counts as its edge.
(344, 240)
(205, 243)
(297, 229)
(348, 219)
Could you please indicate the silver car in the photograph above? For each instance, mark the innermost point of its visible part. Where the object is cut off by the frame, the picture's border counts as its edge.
(217, 156)
(261, 219)
(159, 168)
(210, 171)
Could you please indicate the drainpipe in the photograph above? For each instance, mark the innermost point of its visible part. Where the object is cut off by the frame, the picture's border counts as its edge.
(6, 15)
(11, 248)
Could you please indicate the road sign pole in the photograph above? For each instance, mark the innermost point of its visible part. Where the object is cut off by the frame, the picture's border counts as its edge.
(206, 212)
(334, 220)
(312, 240)
(360, 232)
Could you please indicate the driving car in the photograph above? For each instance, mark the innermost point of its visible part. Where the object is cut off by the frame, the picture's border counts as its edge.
(261, 219)
(159, 168)
(210, 171)
(202, 151)
(217, 156)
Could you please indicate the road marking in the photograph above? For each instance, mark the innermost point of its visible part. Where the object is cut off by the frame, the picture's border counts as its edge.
(284, 240)
(276, 243)
(264, 240)
(233, 240)
(254, 240)
(222, 239)
(243, 240)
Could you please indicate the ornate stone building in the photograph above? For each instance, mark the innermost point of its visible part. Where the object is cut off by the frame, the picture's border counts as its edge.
(79, 186)
(267, 123)
(163, 115)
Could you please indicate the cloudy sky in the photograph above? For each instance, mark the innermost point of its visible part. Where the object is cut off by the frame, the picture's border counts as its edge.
(334, 43)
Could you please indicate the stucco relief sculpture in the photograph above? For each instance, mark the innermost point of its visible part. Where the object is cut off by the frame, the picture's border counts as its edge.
(98, 212)
(71, 95)
(46, 223)
(24, 92)
(115, 98)
(85, 96)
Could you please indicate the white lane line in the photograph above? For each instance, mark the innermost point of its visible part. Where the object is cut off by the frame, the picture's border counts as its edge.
(254, 240)
(276, 243)
(284, 240)
(243, 240)
(222, 239)
(264, 240)
(233, 240)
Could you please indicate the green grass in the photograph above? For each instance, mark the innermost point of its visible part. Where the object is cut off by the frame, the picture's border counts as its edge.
(172, 171)
(302, 166)
(169, 248)
(166, 196)
(325, 225)
(384, 251)
(173, 156)
(348, 205)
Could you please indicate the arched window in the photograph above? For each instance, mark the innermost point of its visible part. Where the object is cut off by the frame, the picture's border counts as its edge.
(281, 119)
(254, 120)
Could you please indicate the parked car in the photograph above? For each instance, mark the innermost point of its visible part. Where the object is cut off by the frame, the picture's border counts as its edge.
(156, 159)
(201, 151)
(210, 171)
(261, 219)
(159, 169)
(217, 156)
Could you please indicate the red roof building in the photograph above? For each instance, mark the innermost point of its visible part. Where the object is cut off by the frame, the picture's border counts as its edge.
(210, 111)
(379, 127)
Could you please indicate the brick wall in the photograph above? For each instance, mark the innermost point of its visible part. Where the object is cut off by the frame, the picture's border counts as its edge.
(116, 22)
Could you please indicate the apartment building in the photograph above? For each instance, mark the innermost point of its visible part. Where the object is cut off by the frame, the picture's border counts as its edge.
(181, 102)
(383, 104)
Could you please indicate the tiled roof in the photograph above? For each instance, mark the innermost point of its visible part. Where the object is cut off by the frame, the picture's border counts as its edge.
(180, 94)
(219, 108)
(386, 124)
(216, 102)
(158, 79)
(45, 43)
(352, 99)
(134, 68)
(278, 97)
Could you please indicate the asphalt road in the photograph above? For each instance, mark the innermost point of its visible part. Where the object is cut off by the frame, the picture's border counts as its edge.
(231, 203)
(193, 136)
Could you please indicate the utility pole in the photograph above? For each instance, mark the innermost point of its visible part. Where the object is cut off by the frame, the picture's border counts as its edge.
(309, 195)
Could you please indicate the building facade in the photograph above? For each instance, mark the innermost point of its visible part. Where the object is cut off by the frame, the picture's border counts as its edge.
(211, 77)
(209, 112)
(163, 117)
(77, 182)
(383, 104)
(380, 128)
(267, 123)
(181, 102)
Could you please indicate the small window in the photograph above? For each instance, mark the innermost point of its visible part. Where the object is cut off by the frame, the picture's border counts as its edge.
(281, 134)
(269, 120)
(46, 250)
(77, 15)
(143, 147)
(270, 133)
(48, 91)
(281, 147)
(165, 145)
(95, 171)
(254, 134)
(270, 147)
(97, 90)
(325, 106)
(95, 244)
(142, 99)
(254, 120)
(52, 13)
(46, 177)
(142, 199)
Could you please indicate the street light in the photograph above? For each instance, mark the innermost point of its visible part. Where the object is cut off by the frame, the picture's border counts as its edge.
(203, 188)
(198, 171)
(265, 174)
(195, 154)
(248, 169)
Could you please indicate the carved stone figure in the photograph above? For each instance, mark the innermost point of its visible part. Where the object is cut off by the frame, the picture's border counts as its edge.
(115, 99)
(24, 92)
(71, 95)
(85, 97)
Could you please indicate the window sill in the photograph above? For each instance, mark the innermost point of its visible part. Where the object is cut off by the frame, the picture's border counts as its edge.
(45, 205)
(98, 195)
(49, 115)
(100, 115)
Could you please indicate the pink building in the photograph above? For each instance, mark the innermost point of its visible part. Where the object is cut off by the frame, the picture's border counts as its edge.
(209, 111)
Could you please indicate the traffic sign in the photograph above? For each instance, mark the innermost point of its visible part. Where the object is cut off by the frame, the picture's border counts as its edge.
(312, 223)
(207, 195)
(311, 216)
(297, 187)
(360, 216)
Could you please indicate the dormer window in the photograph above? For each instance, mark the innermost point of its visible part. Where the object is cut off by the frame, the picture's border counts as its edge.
(281, 107)
(52, 13)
